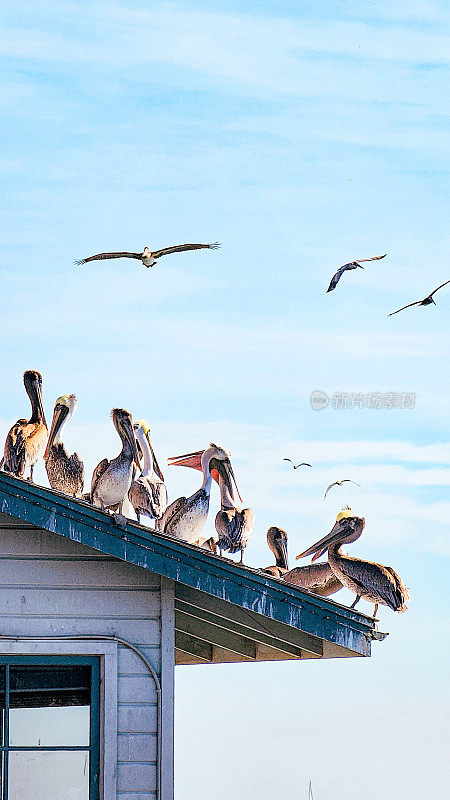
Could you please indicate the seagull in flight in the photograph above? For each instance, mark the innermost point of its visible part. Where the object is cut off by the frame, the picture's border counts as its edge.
(296, 466)
(353, 265)
(425, 302)
(339, 483)
(149, 257)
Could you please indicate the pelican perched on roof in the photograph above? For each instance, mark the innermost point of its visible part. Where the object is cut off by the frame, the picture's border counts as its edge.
(233, 524)
(149, 257)
(65, 473)
(186, 516)
(373, 582)
(111, 480)
(148, 493)
(26, 440)
(277, 541)
(316, 578)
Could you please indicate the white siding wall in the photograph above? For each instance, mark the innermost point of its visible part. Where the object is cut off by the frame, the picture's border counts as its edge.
(52, 586)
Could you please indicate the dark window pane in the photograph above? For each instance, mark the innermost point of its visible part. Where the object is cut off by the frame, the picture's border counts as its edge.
(40, 686)
(41, 775)
(49, 727)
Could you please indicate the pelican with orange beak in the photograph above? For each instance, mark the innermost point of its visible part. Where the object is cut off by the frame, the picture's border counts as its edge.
(373, 582)
(65, 473)
(185, 518)
(148, 493)
(111, 480)
(26, 440)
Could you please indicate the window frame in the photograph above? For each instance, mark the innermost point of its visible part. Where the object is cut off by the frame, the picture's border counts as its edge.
(93, 662)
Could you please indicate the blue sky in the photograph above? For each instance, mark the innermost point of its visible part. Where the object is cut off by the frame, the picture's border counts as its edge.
(301, 136)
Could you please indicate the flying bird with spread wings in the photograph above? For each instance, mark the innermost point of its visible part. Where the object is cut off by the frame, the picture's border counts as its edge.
(339, 483)
(149, 257)
(352, 265)
(296, 466)
(425, 302)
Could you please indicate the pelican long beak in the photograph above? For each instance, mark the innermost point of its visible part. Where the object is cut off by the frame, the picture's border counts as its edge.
(155, 463)
(127, 428)
(193, 460)
(282, 552)
(319, 547)
(222, 467)
(40, 402)
(59, 415)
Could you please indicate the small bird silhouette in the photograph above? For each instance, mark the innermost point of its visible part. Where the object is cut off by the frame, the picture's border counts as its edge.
(352, 265)
(148, 257)
(425, 302)
(296, 466)
(339, 483)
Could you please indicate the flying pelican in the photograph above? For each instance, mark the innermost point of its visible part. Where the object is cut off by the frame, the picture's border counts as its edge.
(233, 524)
(425, 302)
(111, 480)
(373, 582)
(185, 517)
(277, 541)
(65, 473)
(296, 466)
(339, 483)
(26, 440)
(149, 257)
(352, 265)
(147, 494)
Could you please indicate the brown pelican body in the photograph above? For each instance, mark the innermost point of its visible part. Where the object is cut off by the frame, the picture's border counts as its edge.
(65, 473)
(316, 578)
(149, 257)
(26, 440)
(185, 518)
(277, 541)
(111, 480)
(147, 494)
(233, 524)
(373, 582)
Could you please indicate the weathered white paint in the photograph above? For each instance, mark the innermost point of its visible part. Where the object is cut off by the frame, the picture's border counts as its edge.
(50, 586)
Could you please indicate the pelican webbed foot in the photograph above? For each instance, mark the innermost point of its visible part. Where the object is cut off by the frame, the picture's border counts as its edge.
(120, 520)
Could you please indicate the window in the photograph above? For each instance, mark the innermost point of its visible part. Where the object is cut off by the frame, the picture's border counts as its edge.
(49, 728)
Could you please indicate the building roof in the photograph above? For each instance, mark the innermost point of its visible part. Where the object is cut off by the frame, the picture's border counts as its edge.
(224, 611)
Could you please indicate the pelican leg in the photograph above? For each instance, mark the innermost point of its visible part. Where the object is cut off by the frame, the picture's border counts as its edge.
(241, 560)
(31, 474)
(138, 517)
(119, 518)
(375, 610)
(357, 599)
